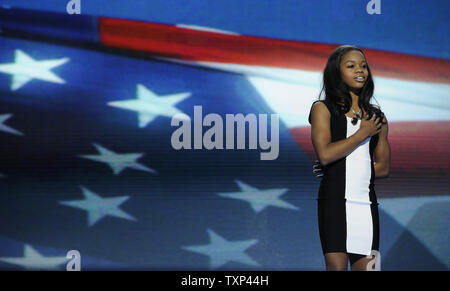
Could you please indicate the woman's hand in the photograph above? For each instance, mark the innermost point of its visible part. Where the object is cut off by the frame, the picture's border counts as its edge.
(370, 127)
(317, 169)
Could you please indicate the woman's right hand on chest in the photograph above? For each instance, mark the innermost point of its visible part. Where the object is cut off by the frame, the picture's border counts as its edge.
(370, 127)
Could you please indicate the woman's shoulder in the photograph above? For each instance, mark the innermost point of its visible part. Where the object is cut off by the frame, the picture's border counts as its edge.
(384, 120)
(379, 113)
(320, 106)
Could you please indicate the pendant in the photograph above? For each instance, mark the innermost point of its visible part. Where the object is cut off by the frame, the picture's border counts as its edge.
(358, 116)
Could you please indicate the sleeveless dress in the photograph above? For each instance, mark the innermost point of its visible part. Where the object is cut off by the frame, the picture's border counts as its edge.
(347, 204)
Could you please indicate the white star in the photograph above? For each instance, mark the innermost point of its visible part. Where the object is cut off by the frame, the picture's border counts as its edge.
(222, 251)
(148, 105)
(259, 199)
(118, 162)
(25, 69)
(98, 207)
(5, 128)
(32, 260)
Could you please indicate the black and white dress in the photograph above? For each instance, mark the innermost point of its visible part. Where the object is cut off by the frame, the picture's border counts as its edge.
(347, 204)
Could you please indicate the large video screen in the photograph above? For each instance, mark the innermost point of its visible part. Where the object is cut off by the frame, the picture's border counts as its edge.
(160, 135)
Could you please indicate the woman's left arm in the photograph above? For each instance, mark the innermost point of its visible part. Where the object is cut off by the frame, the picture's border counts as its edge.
(383, 153)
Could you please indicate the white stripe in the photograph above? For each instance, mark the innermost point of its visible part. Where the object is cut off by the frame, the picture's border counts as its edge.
(399, 100)
(290, 93)
(205, 28)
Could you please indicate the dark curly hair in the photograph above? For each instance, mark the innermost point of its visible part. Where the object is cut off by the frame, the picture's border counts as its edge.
(337, 91)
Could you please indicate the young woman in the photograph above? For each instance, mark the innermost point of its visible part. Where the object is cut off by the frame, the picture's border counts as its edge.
(350, 139)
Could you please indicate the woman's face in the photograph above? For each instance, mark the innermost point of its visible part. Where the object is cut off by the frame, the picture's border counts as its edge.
(354, 69)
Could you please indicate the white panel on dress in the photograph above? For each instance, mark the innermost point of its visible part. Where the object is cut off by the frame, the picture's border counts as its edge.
(359, 228)
(357, 181)
(358, 168)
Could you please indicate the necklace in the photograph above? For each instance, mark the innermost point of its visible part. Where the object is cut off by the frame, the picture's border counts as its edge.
(358, 116)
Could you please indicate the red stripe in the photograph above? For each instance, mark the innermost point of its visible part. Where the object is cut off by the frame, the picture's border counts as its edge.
(415, 146)
(194, 45)
(420, 158)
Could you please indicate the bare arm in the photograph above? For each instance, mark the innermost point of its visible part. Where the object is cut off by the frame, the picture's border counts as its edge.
(327, 151)
(383, 153)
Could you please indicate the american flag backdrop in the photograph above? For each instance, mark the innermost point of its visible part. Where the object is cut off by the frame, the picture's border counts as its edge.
(85, 127)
